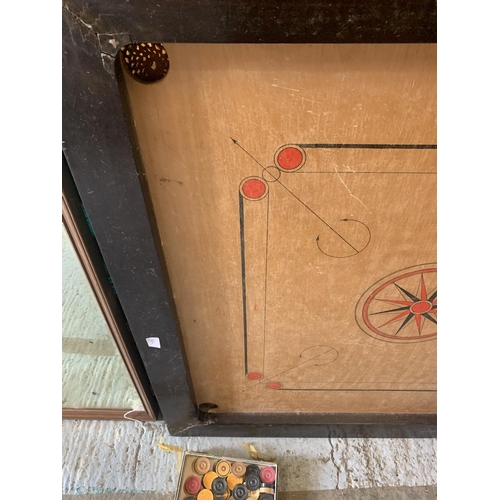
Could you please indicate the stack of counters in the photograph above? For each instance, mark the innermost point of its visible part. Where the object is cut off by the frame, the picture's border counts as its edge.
(266, 496)
(193, 485)
(266, 489)
(201, 466)
(222, 468)
(238, 469)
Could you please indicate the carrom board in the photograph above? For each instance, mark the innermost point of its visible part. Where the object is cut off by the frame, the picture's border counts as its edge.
(294, 192)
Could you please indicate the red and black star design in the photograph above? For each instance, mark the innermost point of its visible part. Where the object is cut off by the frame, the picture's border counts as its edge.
(412, 308)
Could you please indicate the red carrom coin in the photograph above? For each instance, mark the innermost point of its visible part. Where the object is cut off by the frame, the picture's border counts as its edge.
(267, 475)
(192, 485)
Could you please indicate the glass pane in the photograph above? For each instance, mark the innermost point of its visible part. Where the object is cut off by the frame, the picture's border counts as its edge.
(93, 371)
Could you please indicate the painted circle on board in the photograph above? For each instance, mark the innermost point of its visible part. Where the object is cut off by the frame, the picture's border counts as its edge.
(254, 376)
(273, 385)
(271, 174)
(290, 158)
(401, 307)
(421, 307)
(254, 188)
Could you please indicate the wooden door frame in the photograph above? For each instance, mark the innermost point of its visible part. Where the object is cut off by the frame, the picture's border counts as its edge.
(93, 266)
(102, 153)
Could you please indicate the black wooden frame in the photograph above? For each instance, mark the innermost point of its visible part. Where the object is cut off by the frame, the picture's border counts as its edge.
(89, 255)
(102, 154)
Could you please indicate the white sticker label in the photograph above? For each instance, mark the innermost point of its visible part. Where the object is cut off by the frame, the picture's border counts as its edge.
(153, 342)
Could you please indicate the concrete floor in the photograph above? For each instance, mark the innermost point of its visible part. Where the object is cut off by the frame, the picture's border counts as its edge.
(398, 493)
(124, 458)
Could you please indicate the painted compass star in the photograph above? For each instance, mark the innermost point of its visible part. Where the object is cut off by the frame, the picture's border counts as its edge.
(404, 308)
(417, 307)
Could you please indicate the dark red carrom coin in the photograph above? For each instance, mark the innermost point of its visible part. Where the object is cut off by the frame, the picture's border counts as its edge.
(193, 485)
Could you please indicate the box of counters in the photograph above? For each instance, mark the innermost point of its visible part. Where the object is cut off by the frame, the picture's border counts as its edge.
(206, 477)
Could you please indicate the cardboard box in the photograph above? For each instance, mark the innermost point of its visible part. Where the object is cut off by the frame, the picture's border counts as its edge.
(225, 478)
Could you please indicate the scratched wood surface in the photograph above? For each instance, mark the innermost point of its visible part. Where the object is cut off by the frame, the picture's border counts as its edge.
(294, 190)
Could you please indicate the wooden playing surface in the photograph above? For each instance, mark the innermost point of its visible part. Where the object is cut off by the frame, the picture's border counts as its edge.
(294, 188)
